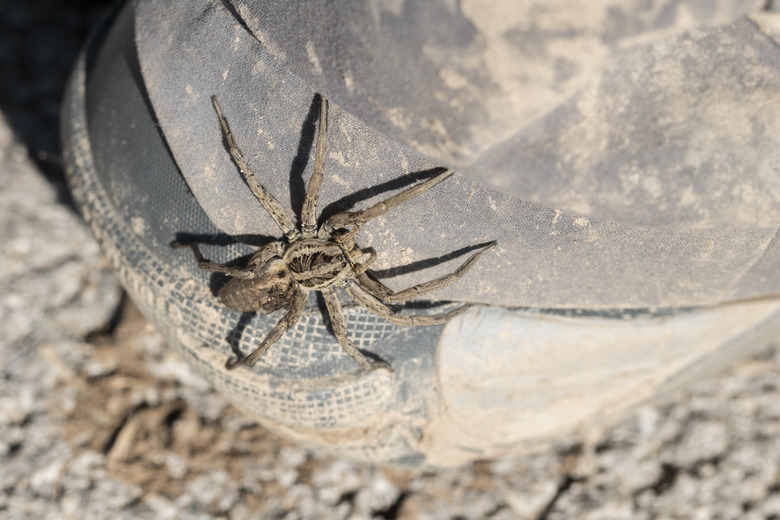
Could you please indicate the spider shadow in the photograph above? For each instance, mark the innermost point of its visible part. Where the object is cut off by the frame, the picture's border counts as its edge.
(301, 159)
(235, 334)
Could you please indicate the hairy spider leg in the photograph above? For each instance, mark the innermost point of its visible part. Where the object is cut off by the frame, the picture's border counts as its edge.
(356, 218)
(369, 292)
(208, 265)
(372, 303)
(362, 267)
(288, 320)
(339, 324)
(380, 290)
(268, 201)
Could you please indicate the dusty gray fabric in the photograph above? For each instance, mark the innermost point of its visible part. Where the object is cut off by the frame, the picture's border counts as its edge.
(624, 155)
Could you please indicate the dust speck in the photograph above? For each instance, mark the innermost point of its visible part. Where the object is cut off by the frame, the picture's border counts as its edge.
(349, 82)
(341, 182)
(313, 59)
(139, 225)
(397, 117)
(452, 79)
(338, 157)
(404, 162)
(257, 68)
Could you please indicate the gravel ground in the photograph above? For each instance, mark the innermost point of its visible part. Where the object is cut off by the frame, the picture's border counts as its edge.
(98, 419)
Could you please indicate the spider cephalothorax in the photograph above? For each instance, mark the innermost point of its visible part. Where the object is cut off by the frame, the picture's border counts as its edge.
(311, 258)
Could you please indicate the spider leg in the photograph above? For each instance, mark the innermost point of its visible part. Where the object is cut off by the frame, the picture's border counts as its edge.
(264, 254)
(340, 330)
(357, 218)
(372, 303)
(363, 266)
(293, 315)
(268, 201)
(308, 212)
(380, 290)
(208, 265)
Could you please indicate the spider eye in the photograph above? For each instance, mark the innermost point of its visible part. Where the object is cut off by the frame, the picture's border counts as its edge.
(340, 257)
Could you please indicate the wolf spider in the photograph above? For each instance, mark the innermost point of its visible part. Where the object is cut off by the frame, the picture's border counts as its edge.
(281, 273)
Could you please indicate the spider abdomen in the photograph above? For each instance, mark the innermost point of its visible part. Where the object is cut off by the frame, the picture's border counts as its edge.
(257, 294)
(270, 289)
